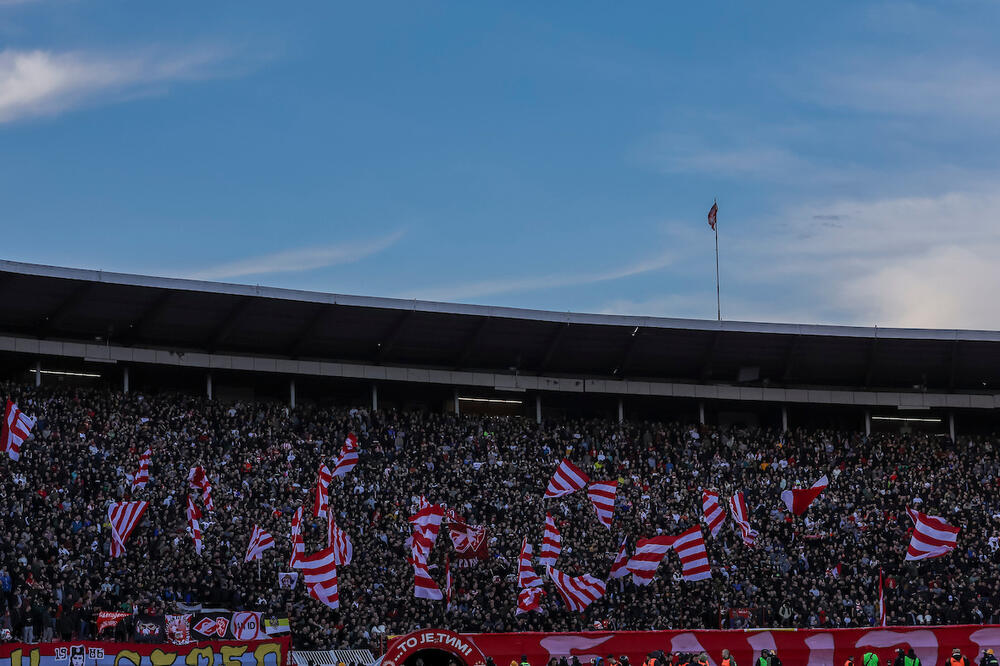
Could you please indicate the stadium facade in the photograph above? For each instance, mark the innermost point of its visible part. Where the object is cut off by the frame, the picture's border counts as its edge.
(251, 342)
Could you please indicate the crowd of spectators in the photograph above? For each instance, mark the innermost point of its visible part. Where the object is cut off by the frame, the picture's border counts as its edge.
(263, 458)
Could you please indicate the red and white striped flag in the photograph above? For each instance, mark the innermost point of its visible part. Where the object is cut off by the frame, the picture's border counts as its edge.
(193, 518)
(447, 585)
(577, 592)
(690, 548)
(712, 511)
(16, 427)
(320, 575)
(529, 599)
(424, 586)
(620, 566)
(602, 496)
(259, 542)
(881, 601)
(551, 543)
(124, 516)
(322, 501)
(738, 507)
(798, 499)
(526, 576)
(932, 536)
(198, 479)
(142, 476)
(298, 543)
(647, 557)
(567, 479)
(348, 456)
(426, 525)
(343, 549)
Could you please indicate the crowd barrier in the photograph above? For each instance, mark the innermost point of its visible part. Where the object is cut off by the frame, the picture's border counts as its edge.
(795, 647)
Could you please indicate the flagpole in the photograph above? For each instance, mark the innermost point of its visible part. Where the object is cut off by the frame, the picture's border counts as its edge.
(718, 299)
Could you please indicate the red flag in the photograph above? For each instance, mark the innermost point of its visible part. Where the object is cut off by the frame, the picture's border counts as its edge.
(712, 214)
(798, 499)
(881, 601)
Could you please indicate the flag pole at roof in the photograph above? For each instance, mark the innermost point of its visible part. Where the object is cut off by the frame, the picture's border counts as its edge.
(713, 222)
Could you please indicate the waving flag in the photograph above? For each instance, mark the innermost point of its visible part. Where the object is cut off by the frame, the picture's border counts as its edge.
(16, 427)
(322, 501)
(193, 516)
(124, 516)
(712, 511)
(798, 500)
(198, 479)
(738, 507)
(529, 599)
(551, 543)
(526, 576)
(424, 586)
(320, 577)
(577, 592)
(343, 549)
(881, 601)
(567, 479)
(259, 542)
(932, 536)
(647, 557)
(690, 548)
(602, 496)
(142, 476)
(298, 544)
(713, 215)
(447, 585)
(348, 456)
(426, 525)
(620, 566)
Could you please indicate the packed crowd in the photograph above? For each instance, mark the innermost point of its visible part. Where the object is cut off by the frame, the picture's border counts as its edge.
(262, 459)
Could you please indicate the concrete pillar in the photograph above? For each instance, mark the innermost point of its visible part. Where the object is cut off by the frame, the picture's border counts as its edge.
(374, 397)
(291, 393)
(458, 409)
(868, 423)
(951, 425)
(538, 409)
(621, 410)
(701, 413)
(38, 373)
(784, 418)
(125, 379)
(208, 385)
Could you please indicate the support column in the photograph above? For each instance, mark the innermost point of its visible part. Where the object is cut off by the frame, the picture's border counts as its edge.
(784, 418)
(538, 409)
(291, 393)
(868, 423)
(125, 379)
(38, 373)
(951, 425)
(458, 410)
(621, 410)
(208, 385)
(701, 413)
(374, 397)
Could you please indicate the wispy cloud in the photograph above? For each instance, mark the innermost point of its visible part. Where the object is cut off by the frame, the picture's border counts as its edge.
(472, 290)
(40, 83)
(292, 261)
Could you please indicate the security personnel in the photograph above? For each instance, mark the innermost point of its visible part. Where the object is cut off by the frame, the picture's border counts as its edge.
(989, 659)
(957, 658)
(727, 660)
(763, 660)
(524, 660)
(900, 659)
(702, 659)
(869, 659)
(850, 661)
(912, 659)
(772, 658)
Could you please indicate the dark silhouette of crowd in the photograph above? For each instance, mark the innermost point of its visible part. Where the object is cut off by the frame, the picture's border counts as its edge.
(262, 460)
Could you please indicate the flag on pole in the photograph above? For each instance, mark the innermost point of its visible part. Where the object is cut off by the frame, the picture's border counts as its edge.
(447, 585)
(259, 542)
(567, 478)
(142, 476)
(712, 215)
(620, 566)
(798, 499)
(123, 517)
(529, 599)
(298, 544)
(194, 522)
(932, 536)
(712, 511)
(881, 601)
(602, 496)
(16, 427)
(551, 543)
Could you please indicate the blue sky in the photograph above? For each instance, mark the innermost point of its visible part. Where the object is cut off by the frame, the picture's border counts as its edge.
(545, 155)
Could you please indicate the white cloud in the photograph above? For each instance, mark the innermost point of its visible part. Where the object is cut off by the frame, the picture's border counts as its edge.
(289, 261)
(473, 290)
(38, 83)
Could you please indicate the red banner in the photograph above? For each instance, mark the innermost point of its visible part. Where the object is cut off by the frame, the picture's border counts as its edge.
(273, 652)
(795, 647)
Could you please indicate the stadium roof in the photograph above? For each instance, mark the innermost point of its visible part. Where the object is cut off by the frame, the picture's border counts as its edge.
(53, 303)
